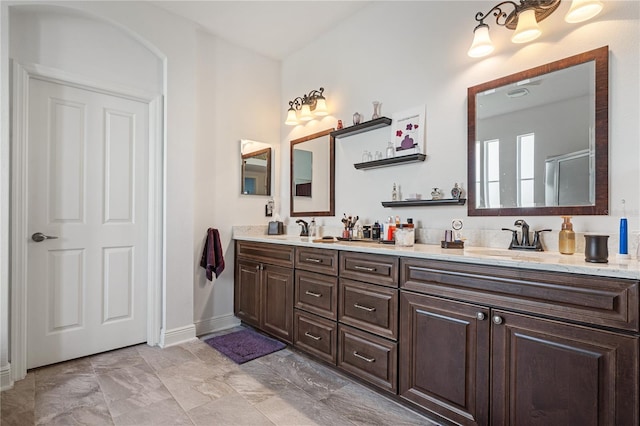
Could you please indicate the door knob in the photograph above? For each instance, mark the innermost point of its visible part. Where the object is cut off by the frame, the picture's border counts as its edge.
(497, 319)
(480, 316)
(39, 237)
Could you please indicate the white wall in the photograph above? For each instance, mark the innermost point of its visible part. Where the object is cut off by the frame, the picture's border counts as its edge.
(238, 98)
(411, 53)
(216, 94)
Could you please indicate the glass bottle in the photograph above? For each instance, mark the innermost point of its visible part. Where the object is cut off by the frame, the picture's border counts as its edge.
(376, 110)
(567, 238)
(391, 152)
(394, 193)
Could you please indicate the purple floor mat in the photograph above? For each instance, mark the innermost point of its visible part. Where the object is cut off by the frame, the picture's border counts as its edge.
(244, 345)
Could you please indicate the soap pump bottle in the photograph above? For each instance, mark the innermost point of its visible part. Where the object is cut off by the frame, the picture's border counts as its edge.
(567, 241)
(313, 230)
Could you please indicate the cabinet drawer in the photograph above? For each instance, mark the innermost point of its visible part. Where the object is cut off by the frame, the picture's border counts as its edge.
(372, 268)
(317, 260)
(369, 307)
(611, 302)
(275, 254)
(316, 336)
(317, 293)
(369, 357)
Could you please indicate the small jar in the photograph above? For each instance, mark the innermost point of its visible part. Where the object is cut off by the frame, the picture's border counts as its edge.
(375, 231)
(366, 231)
(405, 236)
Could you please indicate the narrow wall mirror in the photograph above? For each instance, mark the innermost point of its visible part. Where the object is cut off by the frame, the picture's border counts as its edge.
(256, 167)
(313, 175)
(538, 140)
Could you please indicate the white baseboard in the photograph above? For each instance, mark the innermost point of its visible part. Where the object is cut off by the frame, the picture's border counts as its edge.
(212, 325)
(5, 377)
(176, 336)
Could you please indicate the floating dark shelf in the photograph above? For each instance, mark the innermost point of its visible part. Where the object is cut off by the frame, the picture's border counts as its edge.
(390, 161)
(417, 203)
(362, 127)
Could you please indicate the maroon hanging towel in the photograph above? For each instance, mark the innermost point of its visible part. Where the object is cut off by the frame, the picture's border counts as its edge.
(212, 258)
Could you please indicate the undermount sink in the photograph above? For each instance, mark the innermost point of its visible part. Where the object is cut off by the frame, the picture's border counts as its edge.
(486, 251)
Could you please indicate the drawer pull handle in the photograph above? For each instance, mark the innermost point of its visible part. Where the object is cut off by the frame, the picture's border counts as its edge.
(311, 259)
(312, 336)
(364, 308)
(311, 293)
(364, 268)
(356, 354)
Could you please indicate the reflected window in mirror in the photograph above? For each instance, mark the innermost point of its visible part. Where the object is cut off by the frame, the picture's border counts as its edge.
(312, 190)
(256, 168)
(538, 140)
(302, 172)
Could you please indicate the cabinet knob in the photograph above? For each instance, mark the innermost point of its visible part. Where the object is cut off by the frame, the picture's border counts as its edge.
(497, 319)
(480, 316)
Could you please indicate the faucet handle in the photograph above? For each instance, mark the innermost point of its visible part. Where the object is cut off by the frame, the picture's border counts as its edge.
(514, 237)
(536, 239)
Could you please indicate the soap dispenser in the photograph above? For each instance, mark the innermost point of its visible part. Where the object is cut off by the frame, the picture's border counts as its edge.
(567, 238)
(313, 230)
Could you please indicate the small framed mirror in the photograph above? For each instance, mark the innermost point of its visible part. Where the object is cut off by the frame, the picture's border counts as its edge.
(256, 167)
(313, 175)
(538, 140)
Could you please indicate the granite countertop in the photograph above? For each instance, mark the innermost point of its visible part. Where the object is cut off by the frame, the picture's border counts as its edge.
(547, 261)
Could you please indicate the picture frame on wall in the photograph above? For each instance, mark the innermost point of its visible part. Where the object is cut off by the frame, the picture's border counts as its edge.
(408, 131)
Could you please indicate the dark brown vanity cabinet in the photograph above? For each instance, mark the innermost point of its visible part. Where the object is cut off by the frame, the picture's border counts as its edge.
(316, 302)
(475, 361)
(368, 318)
(263, 287)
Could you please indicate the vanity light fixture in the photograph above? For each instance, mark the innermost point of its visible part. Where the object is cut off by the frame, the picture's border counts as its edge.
(524, 20)
(307, 107)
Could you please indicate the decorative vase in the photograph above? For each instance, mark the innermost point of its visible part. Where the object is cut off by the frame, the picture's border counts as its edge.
(376, 110)
(356, 118)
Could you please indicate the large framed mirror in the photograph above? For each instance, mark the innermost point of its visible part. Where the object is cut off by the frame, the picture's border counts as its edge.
(538, 140)
(256, 167)
(313, 175)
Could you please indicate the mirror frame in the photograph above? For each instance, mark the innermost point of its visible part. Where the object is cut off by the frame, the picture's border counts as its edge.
(601, 207)
(332, 174)
(254, 154)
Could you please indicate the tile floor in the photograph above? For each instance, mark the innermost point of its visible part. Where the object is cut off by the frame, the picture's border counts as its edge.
(193, 384)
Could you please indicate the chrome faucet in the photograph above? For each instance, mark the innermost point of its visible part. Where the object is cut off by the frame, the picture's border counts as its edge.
(304, 232)
(525, 231)
(524, 243)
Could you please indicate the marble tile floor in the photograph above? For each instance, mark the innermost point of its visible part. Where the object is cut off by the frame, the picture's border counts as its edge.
(193, 384)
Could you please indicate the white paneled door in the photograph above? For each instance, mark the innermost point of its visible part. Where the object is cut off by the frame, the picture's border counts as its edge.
(87, 191)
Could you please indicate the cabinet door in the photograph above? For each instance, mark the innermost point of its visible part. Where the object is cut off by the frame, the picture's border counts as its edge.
(550, 373)
(444, 357)
(246, 299)
(277, 301)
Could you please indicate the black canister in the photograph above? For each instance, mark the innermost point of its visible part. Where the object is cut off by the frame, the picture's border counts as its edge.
(366, 231)
(375, 234)
(596, 249)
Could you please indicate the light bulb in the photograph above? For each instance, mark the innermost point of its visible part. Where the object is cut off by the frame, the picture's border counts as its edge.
(481, 45)
(527, 29)
(321, 107)
(291, 120)
(582, 10)
(305, 113)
